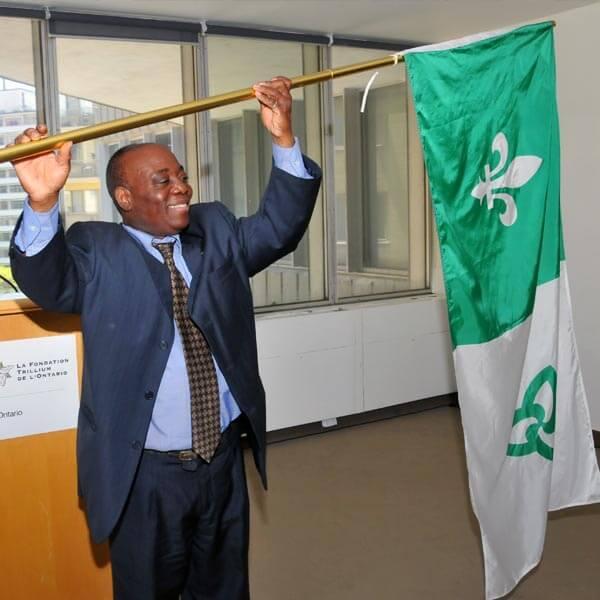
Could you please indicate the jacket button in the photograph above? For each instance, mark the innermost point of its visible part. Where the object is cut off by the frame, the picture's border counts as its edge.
(149, 395)
(136, 445)
(163, 345)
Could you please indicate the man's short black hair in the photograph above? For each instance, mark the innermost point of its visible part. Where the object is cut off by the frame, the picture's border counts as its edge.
(114, 169)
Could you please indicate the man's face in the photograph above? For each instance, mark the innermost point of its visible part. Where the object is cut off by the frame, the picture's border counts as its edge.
(155, 195)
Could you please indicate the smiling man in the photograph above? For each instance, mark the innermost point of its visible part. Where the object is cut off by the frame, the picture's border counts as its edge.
(171, 372)
(150, 189)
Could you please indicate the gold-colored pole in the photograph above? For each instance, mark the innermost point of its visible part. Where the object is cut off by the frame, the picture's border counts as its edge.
(170, 112)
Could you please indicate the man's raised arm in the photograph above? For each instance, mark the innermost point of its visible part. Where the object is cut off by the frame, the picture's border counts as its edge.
(41, 263)
(288, 201)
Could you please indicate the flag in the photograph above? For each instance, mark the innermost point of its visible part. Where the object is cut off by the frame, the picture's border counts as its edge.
(488, 121)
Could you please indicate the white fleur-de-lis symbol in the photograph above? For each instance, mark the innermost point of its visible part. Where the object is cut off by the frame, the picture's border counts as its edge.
(518, 173)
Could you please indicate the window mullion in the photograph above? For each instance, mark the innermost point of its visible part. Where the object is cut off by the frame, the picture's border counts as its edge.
(45, 73)
(189, 81)
(329, 181)
(205, 146)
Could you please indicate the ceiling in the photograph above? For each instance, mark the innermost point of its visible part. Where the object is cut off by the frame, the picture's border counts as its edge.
(97, 70)
(410, 20)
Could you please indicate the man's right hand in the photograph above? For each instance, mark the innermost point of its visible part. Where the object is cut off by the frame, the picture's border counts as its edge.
(42, 176)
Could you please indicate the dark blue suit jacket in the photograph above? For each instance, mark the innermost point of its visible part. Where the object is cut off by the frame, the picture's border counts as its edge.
(124, 297)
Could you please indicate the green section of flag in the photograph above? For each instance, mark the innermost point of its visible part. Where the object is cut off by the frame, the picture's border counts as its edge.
(489, 127)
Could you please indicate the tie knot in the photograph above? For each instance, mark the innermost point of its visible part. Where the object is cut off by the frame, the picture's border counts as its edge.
(166, 249)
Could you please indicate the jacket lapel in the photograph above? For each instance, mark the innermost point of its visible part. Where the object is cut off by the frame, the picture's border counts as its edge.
(193, 253)
(159, 274)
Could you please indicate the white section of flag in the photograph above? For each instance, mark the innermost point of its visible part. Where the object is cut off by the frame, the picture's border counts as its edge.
(512, 495)
(459, 42)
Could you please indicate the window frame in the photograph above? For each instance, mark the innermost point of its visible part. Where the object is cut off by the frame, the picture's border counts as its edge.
(198, 136)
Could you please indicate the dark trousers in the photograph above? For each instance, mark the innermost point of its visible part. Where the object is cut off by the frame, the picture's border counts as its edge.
(184, 530)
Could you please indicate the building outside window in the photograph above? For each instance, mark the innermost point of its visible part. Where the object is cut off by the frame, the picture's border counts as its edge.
(17, 111)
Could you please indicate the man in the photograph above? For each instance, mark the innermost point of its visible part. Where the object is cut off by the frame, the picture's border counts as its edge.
(171, 374)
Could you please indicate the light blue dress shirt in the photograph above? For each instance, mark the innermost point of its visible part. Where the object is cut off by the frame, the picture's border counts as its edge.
(170, 426)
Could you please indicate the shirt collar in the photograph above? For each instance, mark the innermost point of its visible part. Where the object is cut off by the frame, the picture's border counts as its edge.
(147, 239)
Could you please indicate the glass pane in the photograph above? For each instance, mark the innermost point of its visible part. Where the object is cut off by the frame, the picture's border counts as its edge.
(96, 84)
(371, 179)
(242, 154)
(17, 112)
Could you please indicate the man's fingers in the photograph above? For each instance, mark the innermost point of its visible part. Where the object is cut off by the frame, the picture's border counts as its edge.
(273, 98)
(275, 93)
(275, 86)
(63, 154)
(32, 134)
(265, 98)
(36, 132)
(22, 139)
(283, 81)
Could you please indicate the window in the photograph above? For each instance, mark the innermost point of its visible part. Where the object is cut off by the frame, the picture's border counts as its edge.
(379, 184)
(165, 139)
(112, 148)
(242, 155)
(90, 77)
(377, 244)
(18, 110)
(6, 171)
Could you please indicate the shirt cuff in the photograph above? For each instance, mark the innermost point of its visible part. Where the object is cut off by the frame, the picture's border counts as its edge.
(290, 160)
(37, 229)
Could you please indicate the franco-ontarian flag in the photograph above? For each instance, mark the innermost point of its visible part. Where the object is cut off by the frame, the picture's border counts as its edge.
(487, 114)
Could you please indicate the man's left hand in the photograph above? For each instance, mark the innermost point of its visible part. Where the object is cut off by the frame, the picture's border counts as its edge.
(276, 109)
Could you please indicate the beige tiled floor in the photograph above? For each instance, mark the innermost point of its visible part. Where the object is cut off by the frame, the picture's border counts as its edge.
(381, 512)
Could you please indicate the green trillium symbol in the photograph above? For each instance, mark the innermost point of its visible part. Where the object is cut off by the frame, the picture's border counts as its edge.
(530, 410)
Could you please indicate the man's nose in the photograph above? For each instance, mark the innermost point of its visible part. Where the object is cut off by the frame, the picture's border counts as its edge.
(179, 187)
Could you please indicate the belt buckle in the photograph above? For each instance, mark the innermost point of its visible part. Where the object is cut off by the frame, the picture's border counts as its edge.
(187, 455)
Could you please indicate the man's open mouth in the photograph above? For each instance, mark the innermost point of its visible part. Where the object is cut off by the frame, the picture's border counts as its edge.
(180, 206)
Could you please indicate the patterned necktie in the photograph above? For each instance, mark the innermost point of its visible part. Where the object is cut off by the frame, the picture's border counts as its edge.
(204, 389)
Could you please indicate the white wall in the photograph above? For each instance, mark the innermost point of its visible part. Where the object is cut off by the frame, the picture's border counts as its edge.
(578, 76)
(334, 362)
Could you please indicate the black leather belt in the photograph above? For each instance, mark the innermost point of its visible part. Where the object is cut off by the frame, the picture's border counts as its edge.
(183, 455)
(233, 429)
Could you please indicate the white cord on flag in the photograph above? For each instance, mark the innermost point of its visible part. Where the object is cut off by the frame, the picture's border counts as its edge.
(203, 26)
(330, 36)
(47, 14)
(366, 92)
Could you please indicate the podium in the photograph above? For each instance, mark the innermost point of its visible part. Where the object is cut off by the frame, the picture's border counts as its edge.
(45, 548)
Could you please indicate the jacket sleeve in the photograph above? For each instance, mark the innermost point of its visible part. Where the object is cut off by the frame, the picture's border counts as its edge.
(55, 278)
(281, 220)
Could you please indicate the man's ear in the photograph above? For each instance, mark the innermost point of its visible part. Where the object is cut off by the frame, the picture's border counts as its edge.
(123, 198)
